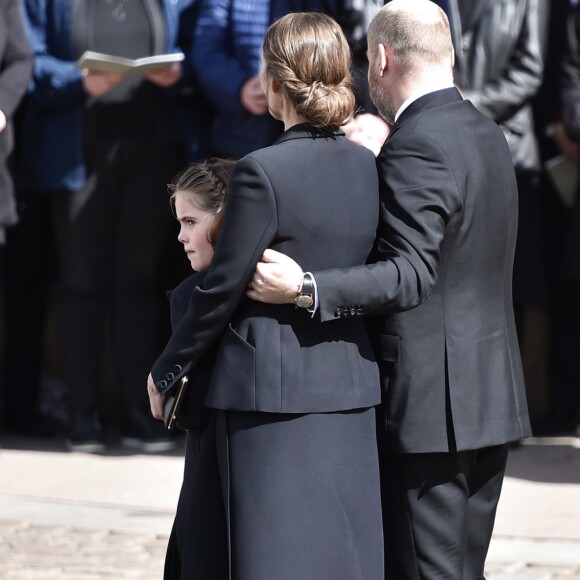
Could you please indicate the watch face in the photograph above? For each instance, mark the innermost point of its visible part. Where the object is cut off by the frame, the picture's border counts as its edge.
(304, 301)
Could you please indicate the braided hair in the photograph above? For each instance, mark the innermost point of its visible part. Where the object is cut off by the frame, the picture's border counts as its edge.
(207, 183)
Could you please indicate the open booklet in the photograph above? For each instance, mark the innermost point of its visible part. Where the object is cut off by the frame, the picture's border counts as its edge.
(107, 63)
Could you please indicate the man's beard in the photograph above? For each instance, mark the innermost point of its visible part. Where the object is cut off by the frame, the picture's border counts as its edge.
(380, 98)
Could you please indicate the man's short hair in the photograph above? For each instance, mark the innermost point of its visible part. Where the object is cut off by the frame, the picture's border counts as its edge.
(417, 31)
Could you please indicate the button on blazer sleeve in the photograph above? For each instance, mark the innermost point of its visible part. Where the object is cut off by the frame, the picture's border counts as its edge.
(418, 198)
(250, 225)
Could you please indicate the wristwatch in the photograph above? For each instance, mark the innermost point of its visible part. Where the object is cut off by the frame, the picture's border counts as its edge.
(305, 295)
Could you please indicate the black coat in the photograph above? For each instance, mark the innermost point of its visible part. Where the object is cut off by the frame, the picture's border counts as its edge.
(313, 196)
(570, 101)
(499, 62)
(450, 363)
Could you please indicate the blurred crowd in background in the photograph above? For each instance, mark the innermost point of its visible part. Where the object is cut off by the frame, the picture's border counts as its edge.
(88, 246)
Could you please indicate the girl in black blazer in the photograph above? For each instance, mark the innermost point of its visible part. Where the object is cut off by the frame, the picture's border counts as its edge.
(198, 199)
(294, 437)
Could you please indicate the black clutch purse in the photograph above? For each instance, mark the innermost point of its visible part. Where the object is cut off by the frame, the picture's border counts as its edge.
(173, 404)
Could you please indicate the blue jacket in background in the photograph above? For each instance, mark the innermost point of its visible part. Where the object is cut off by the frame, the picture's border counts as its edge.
(227, 48)
(52, 145)
(226, 53)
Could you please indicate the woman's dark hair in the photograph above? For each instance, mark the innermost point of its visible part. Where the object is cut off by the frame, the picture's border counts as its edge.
(207, 182)
(308, 55)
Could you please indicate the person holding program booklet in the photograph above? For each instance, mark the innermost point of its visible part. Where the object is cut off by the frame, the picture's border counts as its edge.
(124, 138)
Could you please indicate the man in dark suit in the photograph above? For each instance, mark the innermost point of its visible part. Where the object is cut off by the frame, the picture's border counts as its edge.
(441, 279)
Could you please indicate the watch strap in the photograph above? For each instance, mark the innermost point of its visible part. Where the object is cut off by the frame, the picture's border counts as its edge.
(305, 295)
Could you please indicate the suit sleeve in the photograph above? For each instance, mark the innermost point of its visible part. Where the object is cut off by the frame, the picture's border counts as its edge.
(250, 225)
(418, 198)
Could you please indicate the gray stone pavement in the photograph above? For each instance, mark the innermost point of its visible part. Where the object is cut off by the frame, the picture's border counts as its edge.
(72, 516)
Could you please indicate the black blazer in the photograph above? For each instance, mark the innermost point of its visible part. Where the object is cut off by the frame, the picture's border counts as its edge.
(450, 359)
(314, 196)
(193, 413)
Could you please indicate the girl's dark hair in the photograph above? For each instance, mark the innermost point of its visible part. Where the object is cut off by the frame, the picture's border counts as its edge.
(208, 182)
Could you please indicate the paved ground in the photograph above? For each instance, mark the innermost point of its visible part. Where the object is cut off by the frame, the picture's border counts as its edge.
(70, 516)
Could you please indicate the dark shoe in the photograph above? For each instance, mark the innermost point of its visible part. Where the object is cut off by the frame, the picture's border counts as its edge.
(86, 435)
(38, 427)
(143, 433)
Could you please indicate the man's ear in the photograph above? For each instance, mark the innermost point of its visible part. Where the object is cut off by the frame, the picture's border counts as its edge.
(383, 54)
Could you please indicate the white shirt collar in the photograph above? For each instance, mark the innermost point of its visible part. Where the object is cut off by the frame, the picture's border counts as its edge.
(416, 96)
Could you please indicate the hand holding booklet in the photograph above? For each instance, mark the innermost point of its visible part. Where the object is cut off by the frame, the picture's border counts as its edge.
(107, 63)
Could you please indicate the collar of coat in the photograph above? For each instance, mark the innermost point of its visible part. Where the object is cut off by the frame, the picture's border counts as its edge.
(428, 101)
(304, 131)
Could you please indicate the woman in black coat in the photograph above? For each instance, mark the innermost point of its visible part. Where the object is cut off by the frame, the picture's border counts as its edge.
(294, 439)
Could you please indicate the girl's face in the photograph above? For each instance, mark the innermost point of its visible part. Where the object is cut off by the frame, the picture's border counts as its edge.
(194, 224)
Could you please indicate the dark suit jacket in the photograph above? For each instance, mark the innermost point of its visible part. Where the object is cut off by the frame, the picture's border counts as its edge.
(450, 359)
(314, 196)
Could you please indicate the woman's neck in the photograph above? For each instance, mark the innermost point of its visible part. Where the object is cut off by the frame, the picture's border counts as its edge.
(290, 117)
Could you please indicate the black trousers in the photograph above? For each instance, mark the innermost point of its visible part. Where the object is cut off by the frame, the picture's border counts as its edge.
(438, 512)
(27, 270)
(112, 237)
(529, 271)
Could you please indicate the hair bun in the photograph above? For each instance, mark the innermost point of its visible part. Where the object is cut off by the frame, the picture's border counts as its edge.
(307, 53)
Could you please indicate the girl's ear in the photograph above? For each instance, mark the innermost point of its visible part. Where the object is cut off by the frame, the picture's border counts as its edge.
(275, 86)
